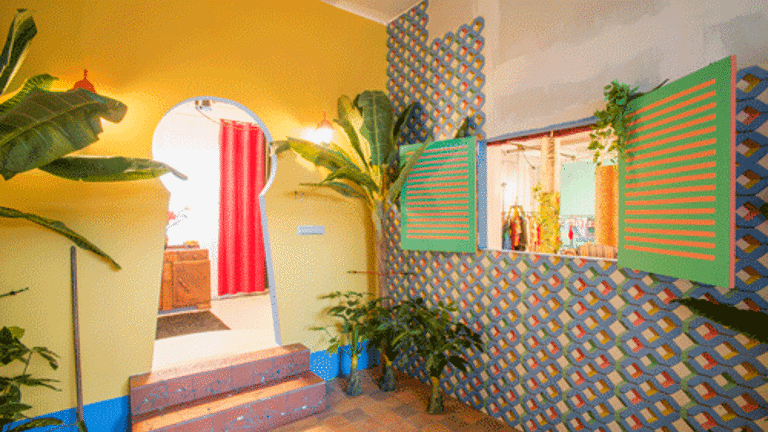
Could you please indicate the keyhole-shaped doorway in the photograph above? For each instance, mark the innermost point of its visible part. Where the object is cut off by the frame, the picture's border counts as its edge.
(202, 309)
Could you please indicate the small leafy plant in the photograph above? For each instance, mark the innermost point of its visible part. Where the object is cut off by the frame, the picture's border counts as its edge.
(612, 121)
(385, 326)
(13, 351)
(353, 312)
(440, 341)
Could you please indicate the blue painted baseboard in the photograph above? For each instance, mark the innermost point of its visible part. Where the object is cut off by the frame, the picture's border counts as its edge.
(110, 415)
(329, 366)
(113, 415)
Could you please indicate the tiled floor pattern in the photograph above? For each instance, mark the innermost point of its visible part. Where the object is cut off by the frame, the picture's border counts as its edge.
(403, 410)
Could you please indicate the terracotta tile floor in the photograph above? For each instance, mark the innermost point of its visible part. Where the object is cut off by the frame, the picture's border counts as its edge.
(403, 410)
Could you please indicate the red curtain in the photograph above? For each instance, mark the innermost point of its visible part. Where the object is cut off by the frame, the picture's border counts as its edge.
(241, 243)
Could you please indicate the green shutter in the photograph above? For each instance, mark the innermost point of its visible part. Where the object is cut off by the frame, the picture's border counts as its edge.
(677, 186)
(438, 204)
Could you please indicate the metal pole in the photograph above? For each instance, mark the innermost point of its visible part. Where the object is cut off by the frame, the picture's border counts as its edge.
(76, 330)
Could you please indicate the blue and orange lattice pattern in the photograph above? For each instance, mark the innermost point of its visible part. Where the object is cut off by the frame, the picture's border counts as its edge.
(581, 344)
(445, 77)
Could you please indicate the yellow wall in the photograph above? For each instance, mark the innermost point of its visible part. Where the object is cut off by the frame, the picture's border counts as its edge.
(286, 61)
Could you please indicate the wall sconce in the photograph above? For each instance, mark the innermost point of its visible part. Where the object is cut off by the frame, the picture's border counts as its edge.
(323, 133)
(84, 83)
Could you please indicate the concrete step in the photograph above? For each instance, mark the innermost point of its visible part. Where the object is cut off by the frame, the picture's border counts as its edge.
(259, 408)
(187, 383)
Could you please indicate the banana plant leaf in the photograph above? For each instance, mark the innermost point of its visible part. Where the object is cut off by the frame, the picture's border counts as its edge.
(45, 126)
(350, 121)
(463, 130)
(342, 188)
(108, 169)
(314, 153)
(60, 228)
(42, 82)
(36, 423)
(377, 123)
(22, 31)
(394, 189)
(752, 323)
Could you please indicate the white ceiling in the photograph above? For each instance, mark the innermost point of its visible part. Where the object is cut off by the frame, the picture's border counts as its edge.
(381, 11)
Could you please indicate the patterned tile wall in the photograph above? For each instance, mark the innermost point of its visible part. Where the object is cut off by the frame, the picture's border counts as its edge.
(443, 77)
(581, 344)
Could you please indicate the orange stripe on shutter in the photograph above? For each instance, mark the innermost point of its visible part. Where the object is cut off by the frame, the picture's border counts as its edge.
(672, 190)
(708, 198)
(672, 108)
(672, 180)
(671, 211)
(708, 245)
(672, 252)
(673, 139)
(671, 221)
(671, 170)
(691, 233)
(674, 96)
(674, 128)
(672, 159)
(701, 143)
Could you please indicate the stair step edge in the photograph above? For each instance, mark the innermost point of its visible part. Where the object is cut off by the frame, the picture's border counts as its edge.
(282, 394)
(212, 364)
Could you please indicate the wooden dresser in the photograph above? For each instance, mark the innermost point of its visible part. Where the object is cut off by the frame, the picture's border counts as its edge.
(186, 278)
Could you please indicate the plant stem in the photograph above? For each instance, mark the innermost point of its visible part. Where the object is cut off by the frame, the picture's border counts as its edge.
(436, 398)
(387, 382)
(353, 386)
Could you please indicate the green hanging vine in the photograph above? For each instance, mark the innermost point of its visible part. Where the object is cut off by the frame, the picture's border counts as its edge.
(612, 121)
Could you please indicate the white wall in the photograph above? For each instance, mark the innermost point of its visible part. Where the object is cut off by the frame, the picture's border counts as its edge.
(547, 63)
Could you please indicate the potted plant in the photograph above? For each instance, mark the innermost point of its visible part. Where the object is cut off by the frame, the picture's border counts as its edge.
(440, 341)
(353, 313)
(383, 328)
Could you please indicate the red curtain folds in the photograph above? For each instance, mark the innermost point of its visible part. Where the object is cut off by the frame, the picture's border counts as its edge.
(241, 243)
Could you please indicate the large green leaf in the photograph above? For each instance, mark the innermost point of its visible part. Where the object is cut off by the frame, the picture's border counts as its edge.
(463, 130)
(377, 123)
(42, 82)
(752, 323)
(315, 153)
(356, 176)
(342, 188)
(36, 423)
(21, 32)
(394, 189)
(108, 169)
(45, 126)
(59, 228)
(350, 121)
(402, 120)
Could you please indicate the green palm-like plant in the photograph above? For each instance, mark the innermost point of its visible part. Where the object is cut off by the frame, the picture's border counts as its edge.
(39, 128)
(13, 351)
(440, 341)
(353, 312)
(384, 327)
(366, 165)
